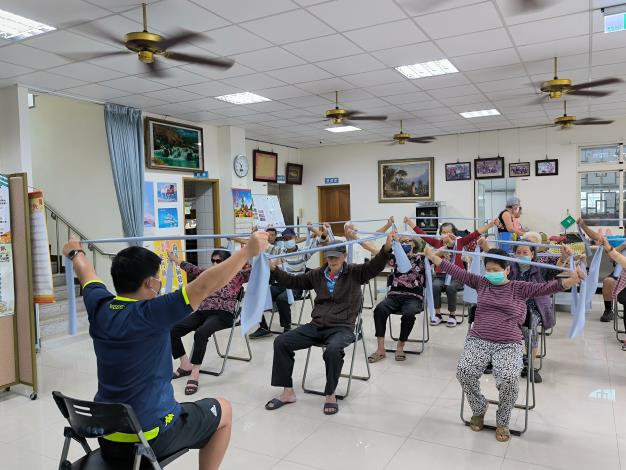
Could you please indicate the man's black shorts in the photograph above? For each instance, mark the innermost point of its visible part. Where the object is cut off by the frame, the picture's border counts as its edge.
(194, 427)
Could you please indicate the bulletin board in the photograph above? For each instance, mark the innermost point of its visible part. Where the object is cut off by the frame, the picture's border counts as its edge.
(267, 211)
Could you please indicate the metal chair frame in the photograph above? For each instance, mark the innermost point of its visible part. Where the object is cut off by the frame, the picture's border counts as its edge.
(616, 319)
(425, 333)
(226, 355)
(306, 295)
(358, 336)
(372, 298)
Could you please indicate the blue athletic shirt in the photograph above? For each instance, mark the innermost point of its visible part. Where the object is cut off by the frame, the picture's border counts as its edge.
(133, 349)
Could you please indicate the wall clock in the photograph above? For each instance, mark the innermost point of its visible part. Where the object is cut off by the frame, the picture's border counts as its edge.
(241, 166)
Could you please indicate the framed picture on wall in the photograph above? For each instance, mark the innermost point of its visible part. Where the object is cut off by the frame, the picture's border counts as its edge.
(173, 146)
(264, 166)
(293, 173)
(547, 167)
(485, 168)
(459, 171)
(408, 180)
(519, 169)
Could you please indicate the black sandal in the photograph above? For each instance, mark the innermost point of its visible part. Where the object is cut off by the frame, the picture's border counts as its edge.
(180, 373)
(275, 403)
(331, 408)
(191, 387)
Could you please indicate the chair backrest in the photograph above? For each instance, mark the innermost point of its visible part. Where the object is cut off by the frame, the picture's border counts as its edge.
(91, 420)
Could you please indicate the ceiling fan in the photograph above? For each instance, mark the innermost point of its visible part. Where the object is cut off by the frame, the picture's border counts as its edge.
(566, 121)
(558, 87)
(403, 137)
(516, 6)
(149, 45)
(339, 116)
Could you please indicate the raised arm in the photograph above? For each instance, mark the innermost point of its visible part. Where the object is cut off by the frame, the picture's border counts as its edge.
(351, 234)
(387, 226)
(530, 290)
(507, 217)
(291, 281)
(485, 228)
(431, 241)
(82, 266)
(370, 269)
(189, 268)
(613, 253)
(457, 273)
(595, 236)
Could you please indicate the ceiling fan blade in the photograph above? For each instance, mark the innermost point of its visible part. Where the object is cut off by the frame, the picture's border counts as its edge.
(540, 99)
(180, 36)
(595, 83)
(592, 122)
(95, 55)
(367, 118)
(421, 140)
(589, 93)
(210, 61)
(155, 71)
(524, 6)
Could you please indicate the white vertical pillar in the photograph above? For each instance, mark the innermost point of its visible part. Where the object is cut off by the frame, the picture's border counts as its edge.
(231, 142)
(15, 155)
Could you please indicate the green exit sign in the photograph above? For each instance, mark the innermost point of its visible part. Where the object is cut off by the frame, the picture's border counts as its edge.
(615, 23)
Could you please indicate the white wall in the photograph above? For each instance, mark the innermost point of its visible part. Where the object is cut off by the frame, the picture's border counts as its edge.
(15, 151)
(545, 199)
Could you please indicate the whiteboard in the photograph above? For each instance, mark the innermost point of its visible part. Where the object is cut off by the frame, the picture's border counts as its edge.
(267, 211)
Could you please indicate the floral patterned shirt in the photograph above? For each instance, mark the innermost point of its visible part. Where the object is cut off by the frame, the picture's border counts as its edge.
(224, 298)
(410, 283)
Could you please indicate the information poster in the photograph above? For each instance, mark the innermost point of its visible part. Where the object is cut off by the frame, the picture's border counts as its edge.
(168, 217)
(243, 206)
(43, 291)
(267, 211)
(161, 247)
(7, 293)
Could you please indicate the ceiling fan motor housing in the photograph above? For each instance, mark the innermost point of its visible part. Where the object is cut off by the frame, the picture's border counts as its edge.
(556, 87)
(565, 121)
(145, 44)
(337, 115)
(401, 137)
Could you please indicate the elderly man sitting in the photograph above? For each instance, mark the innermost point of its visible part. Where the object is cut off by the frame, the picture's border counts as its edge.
(337, 303)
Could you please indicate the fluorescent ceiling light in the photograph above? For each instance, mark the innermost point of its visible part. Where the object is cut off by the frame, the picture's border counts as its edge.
(16, 27)
(242, 98)
(482, 113)
(427, 69)
(343, 129)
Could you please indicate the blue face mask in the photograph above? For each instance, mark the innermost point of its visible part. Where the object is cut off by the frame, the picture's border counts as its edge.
(290, 244)
(407, 248)
(497, 279)
(527, 259)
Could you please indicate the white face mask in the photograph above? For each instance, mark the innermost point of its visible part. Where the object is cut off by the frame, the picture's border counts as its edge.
(156, 293)
(290, 244)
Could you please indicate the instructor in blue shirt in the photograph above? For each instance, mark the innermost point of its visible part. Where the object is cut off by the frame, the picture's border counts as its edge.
(131, 337)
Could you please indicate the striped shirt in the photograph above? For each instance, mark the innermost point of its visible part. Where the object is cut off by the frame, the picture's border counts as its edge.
(620, 284)
(500, 310)
(297, 264)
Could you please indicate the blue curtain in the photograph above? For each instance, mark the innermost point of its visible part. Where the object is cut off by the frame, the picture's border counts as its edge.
(125, 138)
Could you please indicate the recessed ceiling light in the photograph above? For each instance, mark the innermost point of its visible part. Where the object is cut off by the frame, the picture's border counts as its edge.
(16, 27)
(482, 113)
(427, 69)
(243, 98)
(343, 129)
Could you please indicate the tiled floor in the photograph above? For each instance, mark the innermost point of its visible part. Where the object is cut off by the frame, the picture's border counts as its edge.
(406, 416)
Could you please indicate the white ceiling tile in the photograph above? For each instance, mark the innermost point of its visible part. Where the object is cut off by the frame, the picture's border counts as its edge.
(256, 81)
(170, 15)
(459, 21)
(212, 89)
(67, 44)
(25, 56)
(55, 13)
(344, 15)
(473, 43)
(172, 95)
(385, 36)
(377, 77)
(86, 72)
(200, 116)
(561, 47)
(268, 106)
(441, 81)
(300, 73)
(291, 26)
(407, 55)
(611, 56)
(496, 73)
(550, 29)
(235, 111)
(283, 92)
(486, 59)
(138, 101)
(508, 84)
(244, 10)
(420, 105)
(216, 74)
(348, 96)
(353, 64)
(565, 63)
(327, 47)
(128, 64)
(134, 84)
(414, 96)
(512, 15)
(169, 109)
(114, 25)
(603, 41)
(175, 77)
(268, 59)
(405, 87)
(48, 81)
(459, 90)
(10, 70)
(307, 101)
(604, 71)
(326, 85)
(206, 104)
(463, 99)
(234, 40)
(96, 92)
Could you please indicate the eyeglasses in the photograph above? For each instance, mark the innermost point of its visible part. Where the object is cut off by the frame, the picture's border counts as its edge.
(216, 260)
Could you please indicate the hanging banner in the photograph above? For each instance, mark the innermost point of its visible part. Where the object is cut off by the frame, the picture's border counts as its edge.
(7, 293)
(267, 211)
(161, 247)
(149, 213)
(243, 206)
(43, 291)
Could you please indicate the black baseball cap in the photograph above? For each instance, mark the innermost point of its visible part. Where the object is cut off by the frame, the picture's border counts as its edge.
(337, 251)
(288, 232)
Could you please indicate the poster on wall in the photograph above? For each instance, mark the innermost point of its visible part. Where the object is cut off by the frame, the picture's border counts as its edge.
(149, 214)
(43, 290)
(267, 211)
(243, 206)
(168, 217)
(167, 192)
(7, 293)
(161, 247)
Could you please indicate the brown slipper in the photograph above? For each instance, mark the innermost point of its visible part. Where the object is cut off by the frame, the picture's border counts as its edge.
(191, 387)
(503, 434)
(375, 357)
(400, 356)
(180, 373)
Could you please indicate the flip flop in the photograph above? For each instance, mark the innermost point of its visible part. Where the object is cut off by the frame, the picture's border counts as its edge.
(331, 408)
(375, 357)
(191, 387)
(275, 403)
(180, 373)
(400, 356)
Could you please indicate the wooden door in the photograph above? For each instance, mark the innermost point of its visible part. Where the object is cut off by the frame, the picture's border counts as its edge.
(334, 204)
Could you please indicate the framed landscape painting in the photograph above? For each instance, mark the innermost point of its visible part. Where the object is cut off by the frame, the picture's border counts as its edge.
(408, 180)
(173, 146)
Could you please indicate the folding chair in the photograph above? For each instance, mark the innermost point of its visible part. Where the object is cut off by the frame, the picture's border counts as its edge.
(463, 314)
(306, 295)
(616, 321)
(226, 356)
(543, 348)
(530, 385)
(358, 336)
(93, 420)
(372, 299)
